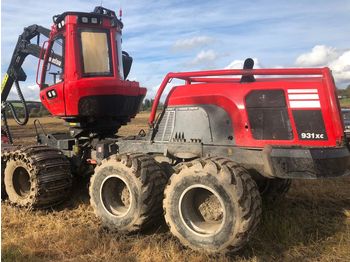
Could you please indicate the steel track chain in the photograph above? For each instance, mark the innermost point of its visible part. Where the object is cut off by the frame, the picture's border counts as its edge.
(49, 172)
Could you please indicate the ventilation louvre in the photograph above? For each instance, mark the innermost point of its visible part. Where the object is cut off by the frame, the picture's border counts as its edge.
(165, 126)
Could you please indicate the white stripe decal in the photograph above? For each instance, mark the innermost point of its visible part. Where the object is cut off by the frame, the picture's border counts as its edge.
(302, 91)
(305, 104)
(303, 96)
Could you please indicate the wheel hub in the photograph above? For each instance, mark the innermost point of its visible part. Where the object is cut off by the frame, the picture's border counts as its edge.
(21, 181)
(202, 210)
(116, 196)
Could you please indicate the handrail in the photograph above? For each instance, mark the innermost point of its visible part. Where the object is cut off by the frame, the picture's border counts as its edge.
(209, 76)
(39, 63)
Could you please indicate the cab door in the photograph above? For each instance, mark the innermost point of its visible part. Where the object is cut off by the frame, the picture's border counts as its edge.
(52, 81)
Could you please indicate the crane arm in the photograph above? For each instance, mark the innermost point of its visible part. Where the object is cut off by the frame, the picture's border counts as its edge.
(23, 48)
(15, 73)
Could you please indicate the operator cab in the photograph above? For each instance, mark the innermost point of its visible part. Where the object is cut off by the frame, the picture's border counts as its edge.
(84, 71)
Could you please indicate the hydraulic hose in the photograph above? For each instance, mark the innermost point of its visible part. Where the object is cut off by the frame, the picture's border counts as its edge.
(9, 105)
(25, 109)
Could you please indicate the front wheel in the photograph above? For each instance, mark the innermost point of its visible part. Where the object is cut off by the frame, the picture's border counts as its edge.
(37, 177)
(212, 205)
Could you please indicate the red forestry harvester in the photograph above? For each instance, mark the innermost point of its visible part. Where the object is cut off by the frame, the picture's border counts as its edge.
(224, 139)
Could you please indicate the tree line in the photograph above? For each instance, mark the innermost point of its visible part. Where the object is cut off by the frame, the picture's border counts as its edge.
(35, 109)
(148, 103)
(344, 92)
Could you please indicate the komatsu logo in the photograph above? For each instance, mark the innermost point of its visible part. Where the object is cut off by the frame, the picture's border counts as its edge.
(55, 61)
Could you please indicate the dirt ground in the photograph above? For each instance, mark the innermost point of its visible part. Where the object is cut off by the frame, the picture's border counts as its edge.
(311, 224)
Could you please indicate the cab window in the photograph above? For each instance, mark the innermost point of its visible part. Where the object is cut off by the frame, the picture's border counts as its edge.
(55, 63)
(96, 53)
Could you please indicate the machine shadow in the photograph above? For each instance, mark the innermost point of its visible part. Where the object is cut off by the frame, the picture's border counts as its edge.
(79, 194)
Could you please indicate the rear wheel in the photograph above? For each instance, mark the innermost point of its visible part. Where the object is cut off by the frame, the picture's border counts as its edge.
(37, 177)
(126, 192)
(212, 205)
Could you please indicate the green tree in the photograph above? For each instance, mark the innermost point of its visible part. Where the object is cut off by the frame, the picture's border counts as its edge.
(147, 104)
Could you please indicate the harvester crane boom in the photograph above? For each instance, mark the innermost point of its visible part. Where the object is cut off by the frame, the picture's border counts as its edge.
(23, 48)
(15, 72)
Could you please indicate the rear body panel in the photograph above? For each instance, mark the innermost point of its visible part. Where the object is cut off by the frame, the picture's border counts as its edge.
(308, 104)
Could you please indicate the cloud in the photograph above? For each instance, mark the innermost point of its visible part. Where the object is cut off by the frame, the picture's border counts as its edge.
(320, 55)
(341, 68)
(190, 43)
(204, 58)
(30, 92)
(238, 64)
(337, 60)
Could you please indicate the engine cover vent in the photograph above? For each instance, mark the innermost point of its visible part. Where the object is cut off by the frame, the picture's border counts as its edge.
(165, 126)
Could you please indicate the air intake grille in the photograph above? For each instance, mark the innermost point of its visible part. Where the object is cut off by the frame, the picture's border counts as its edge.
(165, 126)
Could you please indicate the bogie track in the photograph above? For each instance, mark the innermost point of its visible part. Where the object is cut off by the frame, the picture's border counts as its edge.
(36, 176)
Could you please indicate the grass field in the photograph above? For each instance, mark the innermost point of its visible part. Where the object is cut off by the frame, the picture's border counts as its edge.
(311, 224)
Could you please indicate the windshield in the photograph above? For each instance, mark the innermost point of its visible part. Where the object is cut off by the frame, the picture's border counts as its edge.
(96, 53)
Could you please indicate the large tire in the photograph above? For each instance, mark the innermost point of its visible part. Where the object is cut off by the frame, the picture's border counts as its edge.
(6, 151)
(212, 205)
(3, 189)
(273, 189)
(126, 192)
(37, 177)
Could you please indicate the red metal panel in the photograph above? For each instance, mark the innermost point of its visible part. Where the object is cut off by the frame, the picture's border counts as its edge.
(191, 77)
(230, 95)
(54, 105)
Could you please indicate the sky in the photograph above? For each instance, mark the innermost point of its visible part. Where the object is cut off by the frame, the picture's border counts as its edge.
(177, 35)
